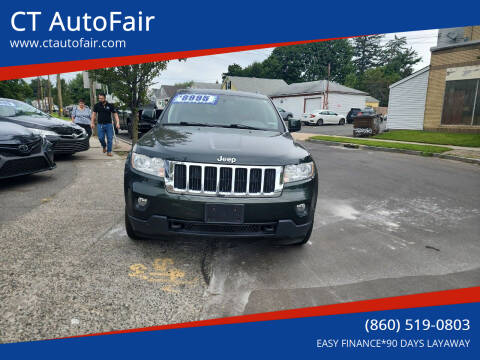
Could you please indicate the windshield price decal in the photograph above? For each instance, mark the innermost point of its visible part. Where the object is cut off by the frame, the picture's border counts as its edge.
(196, 99)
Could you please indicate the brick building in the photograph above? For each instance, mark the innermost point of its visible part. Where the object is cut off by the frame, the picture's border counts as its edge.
(453, 94)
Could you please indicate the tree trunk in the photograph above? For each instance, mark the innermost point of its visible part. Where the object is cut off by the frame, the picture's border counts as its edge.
(134, 125)
(43, 106)
(39, 106)
(49, 87)
(92, 100)
(59, 94)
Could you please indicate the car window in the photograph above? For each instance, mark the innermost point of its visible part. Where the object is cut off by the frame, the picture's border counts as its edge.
(11, 108)
(148, 114)
(223, 110)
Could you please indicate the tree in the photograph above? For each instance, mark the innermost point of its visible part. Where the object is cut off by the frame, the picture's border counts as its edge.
(74, 91)
(184, 85)
(299, 63)
(376, 82)
(130, 84)
(398, 58)
(16, 89)
(59, 95)
(233, 70)
(366, 53)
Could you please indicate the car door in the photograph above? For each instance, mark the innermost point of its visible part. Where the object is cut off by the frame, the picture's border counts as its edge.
(325, 114)
(334, 118)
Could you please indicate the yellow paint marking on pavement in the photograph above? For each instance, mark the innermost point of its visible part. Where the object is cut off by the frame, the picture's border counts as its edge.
(164, 272)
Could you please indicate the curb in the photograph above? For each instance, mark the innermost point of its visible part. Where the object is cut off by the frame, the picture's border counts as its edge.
(401, 151)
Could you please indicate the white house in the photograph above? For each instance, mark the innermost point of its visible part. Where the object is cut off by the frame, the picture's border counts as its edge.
(406, 104)
(299, 98)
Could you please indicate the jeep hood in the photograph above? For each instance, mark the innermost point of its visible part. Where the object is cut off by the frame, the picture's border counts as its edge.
(206, 144)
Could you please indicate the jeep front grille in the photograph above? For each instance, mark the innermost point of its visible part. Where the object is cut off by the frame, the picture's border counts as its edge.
(223, 180)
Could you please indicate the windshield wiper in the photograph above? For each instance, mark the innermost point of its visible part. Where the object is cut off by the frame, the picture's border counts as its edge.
(241, 126)
(187, 123)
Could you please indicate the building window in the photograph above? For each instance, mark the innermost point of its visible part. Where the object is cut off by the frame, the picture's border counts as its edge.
(461, 104)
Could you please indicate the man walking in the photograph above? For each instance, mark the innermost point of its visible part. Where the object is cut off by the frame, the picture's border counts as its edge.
(102, 111)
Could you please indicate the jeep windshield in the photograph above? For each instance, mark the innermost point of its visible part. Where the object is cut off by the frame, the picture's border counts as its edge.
(228, 111)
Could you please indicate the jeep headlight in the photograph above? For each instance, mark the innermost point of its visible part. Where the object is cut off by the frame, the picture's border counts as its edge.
(298, 172)
(43, 132)
(149, 165)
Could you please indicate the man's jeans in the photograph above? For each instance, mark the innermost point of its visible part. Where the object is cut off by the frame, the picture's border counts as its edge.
(102, 130)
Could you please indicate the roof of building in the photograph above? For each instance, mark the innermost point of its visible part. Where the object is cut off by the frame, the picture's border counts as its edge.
(455, 45)
(415, 74)
(372, 99)
(318, 86)
(205, 85)
(168, 90)
(257, 85)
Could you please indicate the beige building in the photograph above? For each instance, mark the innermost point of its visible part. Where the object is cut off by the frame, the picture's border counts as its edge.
(453, 94)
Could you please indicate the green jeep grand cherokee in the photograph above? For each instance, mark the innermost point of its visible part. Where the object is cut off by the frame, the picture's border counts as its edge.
(220, 164)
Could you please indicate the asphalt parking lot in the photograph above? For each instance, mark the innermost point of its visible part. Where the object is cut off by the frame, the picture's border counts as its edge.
(386, 224)
(340, 130)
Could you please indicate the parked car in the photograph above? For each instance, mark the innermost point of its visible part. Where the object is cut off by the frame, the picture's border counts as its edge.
(148, 116)
(321, 117)
(367, 122)
(67, 138)
(351, 115)
(22, 152)
(220, 164)
(286, 115)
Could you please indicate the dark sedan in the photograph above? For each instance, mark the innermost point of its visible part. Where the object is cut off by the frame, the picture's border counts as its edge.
(22, 152)
(67, 138)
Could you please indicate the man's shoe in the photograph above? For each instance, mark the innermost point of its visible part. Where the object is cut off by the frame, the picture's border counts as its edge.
(109, 154)
(104, 150)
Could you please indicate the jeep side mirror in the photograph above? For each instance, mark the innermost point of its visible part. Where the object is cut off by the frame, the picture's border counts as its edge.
(294, 125)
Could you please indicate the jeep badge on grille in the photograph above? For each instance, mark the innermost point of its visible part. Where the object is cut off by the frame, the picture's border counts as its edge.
(230, 160)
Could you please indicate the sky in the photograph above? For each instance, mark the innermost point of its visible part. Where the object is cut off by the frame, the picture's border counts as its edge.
(210, 68)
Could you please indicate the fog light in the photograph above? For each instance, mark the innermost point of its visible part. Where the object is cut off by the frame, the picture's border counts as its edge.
(142, 201)
(301, 209)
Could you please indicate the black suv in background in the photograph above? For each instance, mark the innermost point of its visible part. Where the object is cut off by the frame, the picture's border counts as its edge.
(67, 138)
(351, 114)
(22, 152)
(148, 116)
(221, 163)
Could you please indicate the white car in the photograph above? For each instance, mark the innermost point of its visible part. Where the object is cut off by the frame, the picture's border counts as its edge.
(320, 117)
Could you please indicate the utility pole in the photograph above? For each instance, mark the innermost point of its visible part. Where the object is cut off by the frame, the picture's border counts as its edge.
(49, 87)
(59, 95)
(325, 98)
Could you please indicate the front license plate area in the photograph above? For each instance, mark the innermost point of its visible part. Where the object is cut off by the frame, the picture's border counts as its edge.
(224, 213)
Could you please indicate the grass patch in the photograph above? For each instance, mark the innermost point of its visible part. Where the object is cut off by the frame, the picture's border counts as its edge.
(431, 137)
(55, 115)
(425, 149)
